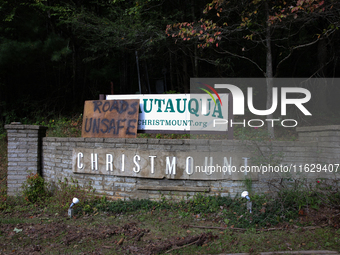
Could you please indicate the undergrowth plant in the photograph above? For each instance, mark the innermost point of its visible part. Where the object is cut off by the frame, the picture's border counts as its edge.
(34, 189)
(3, 160)
(298, 194)
(267, 210)
(329, 191)
(3, 198)
(56, 196)
(248, 184)
(63, 126)
(65, 190)
(231, 211)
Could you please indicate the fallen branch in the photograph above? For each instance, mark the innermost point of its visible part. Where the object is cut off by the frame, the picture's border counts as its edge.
(238, 229)
(245, 229)
(335, 215)
(180, 247)
(220, 228)
(198, 240)
(312, 227)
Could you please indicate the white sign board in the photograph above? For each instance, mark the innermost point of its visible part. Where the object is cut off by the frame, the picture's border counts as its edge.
(182, 112)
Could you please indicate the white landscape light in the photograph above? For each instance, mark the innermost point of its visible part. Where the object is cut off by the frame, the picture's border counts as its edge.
(70, 210)
(245, 194)
(74, 201)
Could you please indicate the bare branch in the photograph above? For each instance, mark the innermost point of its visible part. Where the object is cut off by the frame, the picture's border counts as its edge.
(243, 57)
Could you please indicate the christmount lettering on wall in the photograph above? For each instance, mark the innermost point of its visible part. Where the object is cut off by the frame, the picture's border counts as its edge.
(110, 118)
(161, 164)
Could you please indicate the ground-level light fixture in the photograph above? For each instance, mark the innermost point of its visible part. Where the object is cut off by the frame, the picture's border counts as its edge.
(245, 194)
(74, 201)
(70, 210)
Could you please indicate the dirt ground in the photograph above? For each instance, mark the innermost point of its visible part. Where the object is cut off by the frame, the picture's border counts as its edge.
(144, 233)
(68, 236)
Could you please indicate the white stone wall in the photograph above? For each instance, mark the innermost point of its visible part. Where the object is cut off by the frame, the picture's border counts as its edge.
(29, 150)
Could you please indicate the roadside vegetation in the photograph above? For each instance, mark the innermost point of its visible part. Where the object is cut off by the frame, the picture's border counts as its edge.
(296, 216)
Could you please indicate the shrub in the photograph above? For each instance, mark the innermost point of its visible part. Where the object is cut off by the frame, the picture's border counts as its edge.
(3, 198)
(34, 188)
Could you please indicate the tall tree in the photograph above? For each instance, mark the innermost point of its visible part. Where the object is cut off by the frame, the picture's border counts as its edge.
(239, 28)
(112, 28)
(30, 55)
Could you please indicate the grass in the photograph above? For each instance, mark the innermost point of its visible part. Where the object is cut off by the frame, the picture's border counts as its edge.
(113, 227)
(114, 233)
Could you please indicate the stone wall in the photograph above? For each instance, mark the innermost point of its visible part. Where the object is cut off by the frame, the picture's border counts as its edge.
(29, 150)
(24, 153)
(57, 160)
(326, 141)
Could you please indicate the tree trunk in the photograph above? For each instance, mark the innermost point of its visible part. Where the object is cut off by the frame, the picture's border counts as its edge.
(186, 79)
(171, 73)
(322, 89)
(195, 64)
(269, 75)
(123, 83)
(74, 73)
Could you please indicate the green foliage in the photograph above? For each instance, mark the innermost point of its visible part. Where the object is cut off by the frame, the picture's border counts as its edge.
(328, 191)
(232, 211)
(171, 92)
(248, 184)
(3, 133)
(204, 204)
(34, 189)
(166, 136)
(64, 191)
(121, 206)
(267, 210)
(7, 115)
(299, 199)
(3, 198)
(63, 126)
(143, 135)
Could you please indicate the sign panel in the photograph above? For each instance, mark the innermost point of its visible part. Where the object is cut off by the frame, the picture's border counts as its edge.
(110, 118)
(182, 112)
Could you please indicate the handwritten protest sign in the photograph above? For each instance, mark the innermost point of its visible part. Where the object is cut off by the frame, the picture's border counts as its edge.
(110, 118)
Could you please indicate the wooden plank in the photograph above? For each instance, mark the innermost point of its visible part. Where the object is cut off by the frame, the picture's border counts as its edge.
(110, 118)
(175, 188)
